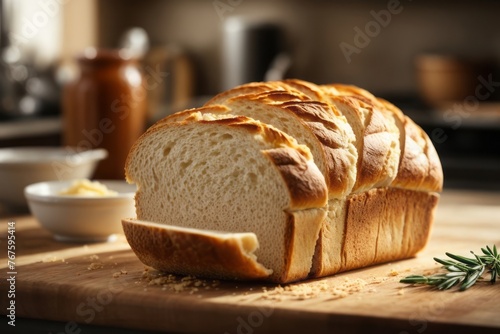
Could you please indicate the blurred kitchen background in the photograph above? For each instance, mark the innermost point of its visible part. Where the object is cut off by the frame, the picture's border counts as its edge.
(437, 60)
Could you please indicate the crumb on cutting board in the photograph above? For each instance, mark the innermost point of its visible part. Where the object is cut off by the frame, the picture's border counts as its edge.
(95, 266)
(119, 273)
(52, 258)
(190, 284)
(393, 272)
(328, 289)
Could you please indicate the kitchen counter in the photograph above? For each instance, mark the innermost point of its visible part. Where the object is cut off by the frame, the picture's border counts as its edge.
(30, 127)
(68, 287)
(31, 131)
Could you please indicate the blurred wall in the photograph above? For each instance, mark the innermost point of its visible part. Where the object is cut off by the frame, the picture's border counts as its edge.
(315, 32)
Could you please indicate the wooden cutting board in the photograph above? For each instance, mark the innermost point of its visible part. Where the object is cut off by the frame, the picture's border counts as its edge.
(105, 284)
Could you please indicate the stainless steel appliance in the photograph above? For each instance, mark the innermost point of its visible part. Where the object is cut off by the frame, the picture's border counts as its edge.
(250, 47)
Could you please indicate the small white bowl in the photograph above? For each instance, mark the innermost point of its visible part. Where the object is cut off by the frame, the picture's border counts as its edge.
(21, 166)
(81, 218)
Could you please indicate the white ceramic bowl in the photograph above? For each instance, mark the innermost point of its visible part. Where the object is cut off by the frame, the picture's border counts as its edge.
(21, 166)
(81, 218)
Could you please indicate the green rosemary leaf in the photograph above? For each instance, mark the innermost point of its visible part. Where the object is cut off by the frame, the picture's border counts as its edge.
(493, 276)
(455, 273)
(444, 262)
(454, 264)
(449, 283)
(480, 259)
(486, 251)
(453, 268)
(415, 279)
(463, 259)
(471, 279)
(418, 279)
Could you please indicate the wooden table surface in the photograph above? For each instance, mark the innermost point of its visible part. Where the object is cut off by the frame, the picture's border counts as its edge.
(104, 284)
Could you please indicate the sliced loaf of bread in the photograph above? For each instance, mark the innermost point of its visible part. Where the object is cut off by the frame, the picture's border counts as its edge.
(381, 178)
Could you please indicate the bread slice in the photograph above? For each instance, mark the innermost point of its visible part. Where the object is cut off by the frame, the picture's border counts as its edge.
(420, 167)
(377, 140)
(231, 174)
(210, 254)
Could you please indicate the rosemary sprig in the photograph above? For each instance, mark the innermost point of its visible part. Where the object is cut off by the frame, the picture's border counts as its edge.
(462, 270)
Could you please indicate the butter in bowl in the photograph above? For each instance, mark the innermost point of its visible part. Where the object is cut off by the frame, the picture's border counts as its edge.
(82, 210)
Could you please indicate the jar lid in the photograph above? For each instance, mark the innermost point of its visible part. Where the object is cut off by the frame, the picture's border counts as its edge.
(104, 55)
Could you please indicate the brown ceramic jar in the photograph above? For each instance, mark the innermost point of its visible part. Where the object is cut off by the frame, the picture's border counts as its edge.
(105, 108)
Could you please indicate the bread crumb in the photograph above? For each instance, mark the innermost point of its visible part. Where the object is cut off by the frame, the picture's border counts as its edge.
(94, 257)
(188, 284)
(119, 273)
(95, 265)
(319, 289)
(393, 273)
(51, 258)
(401, 292)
